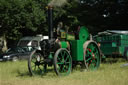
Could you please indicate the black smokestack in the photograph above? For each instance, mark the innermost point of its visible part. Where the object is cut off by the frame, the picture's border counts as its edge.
(50, 21)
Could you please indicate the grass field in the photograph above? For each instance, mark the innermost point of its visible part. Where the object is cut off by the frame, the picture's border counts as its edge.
(16, 73)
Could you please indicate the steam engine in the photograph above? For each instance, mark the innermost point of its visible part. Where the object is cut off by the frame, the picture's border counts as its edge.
(64, 51)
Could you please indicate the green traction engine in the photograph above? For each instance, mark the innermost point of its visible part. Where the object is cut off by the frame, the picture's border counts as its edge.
(64, 52)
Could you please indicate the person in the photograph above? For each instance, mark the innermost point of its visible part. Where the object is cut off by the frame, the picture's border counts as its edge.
(58, 31)
(59, 28)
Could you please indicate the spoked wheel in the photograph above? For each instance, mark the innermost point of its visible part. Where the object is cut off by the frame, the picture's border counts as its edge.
(62, 62)
(36, 64)
(91, 55)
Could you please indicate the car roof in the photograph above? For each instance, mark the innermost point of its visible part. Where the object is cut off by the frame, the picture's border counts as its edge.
(109, 32)
(37, 38)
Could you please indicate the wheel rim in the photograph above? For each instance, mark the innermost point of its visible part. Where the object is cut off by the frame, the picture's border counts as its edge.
(92, 56)
(62, 62)
(15, 59)
(36, 64)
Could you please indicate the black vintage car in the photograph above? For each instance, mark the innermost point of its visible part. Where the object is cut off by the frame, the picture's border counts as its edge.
(16, 53)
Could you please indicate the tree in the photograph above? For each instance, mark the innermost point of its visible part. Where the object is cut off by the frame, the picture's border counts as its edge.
(28, 17)
(19, 16)
(99, 15)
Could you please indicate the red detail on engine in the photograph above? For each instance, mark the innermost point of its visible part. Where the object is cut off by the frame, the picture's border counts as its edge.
(89, 50)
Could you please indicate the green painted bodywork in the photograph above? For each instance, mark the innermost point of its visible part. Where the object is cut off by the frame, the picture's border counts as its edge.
(77, 45)
(63, 44)
(83, 33)
(114, 44)
(77, 50)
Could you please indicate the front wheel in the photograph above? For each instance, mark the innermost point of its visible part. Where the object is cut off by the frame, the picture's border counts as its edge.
(36, 64)
(91, 55)
(62, 62)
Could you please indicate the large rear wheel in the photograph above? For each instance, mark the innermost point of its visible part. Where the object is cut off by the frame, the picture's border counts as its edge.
(91, 55)
(62, 62)
(36, 64)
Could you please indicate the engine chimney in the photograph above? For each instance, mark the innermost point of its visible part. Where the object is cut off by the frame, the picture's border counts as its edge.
(50, 21)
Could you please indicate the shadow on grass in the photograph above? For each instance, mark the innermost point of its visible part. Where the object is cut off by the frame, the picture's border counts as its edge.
(113, 60)
(49, 72)
(22, 74)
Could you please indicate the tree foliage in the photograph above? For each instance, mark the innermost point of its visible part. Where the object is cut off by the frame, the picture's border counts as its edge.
(20, 16)
(99, 15)
(28, 17)
(25, 17)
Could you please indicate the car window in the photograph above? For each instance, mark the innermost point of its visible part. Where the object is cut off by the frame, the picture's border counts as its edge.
(23, 43)
(35, 43)
(28, 49)
(15, 50)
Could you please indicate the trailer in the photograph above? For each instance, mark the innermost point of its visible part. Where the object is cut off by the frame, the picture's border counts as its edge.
(113, 43)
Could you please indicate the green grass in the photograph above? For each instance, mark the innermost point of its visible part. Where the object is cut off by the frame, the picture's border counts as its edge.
(16, 73)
